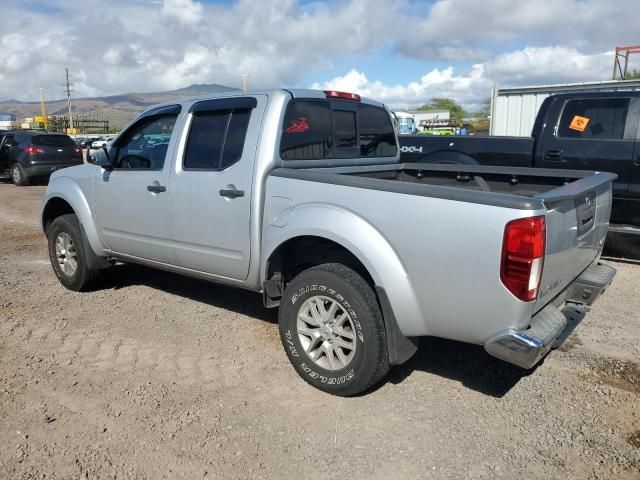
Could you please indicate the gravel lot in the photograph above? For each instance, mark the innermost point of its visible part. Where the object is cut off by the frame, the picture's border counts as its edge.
(158, 376)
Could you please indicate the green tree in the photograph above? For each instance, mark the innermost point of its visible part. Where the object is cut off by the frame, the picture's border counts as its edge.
(633, 75)
(485, 109)
(456, 112)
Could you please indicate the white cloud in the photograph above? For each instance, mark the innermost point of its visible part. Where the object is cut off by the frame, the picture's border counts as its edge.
(151, 45)
(528, 66)
(185, 11)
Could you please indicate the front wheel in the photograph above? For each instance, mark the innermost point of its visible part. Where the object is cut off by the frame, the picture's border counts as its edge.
(67, 254)
(332, 330)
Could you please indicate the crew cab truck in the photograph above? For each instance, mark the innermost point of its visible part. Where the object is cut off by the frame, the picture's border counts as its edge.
(299, 195)
(597, 131)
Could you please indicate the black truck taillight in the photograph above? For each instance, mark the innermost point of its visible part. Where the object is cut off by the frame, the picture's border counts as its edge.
(523, 257)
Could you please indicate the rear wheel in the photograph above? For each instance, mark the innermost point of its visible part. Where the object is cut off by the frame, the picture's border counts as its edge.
(68, 255)
(332, 330)
(18, 177)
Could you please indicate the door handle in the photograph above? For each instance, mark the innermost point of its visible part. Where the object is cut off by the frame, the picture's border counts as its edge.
(553, 155)
(231, 193)
(156, 188)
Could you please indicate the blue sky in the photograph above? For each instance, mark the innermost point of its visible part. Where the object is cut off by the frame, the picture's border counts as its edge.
(400, 51)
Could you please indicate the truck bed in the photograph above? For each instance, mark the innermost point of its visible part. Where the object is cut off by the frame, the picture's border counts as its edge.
(576, 206)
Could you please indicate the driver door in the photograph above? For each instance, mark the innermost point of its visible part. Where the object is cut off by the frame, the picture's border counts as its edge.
(131, 201)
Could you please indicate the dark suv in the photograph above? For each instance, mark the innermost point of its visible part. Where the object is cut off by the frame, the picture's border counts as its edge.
(28, 154)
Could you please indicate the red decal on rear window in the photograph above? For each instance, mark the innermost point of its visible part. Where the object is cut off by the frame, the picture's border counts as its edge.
(298, 126)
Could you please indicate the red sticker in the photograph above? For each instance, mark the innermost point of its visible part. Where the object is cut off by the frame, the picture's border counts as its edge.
(298, 126)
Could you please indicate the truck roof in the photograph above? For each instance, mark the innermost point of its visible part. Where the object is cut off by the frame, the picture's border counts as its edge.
(294, 92)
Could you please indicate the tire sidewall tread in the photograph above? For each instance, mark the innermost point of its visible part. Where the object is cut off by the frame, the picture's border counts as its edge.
(371, 360)
(84, 276)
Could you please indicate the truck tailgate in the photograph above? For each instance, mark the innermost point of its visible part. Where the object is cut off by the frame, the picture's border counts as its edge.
(577, 219)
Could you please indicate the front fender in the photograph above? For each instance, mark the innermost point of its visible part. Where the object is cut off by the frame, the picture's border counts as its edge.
(357, 235)
(68, 189)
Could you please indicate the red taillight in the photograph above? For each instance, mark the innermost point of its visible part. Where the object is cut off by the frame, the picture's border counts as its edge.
(77, 149)
(33, 150)
(342, 95)
(523, 256)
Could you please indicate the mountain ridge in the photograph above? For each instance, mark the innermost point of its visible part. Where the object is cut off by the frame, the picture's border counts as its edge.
(119, 109)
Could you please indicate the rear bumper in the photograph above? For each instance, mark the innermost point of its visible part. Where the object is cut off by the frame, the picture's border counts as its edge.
(526, 348)
(43, 170)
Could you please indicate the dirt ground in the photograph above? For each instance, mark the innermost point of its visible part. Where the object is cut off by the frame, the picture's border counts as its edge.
(158, 376)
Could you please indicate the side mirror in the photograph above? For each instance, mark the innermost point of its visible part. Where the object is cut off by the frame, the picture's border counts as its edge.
(100, 157)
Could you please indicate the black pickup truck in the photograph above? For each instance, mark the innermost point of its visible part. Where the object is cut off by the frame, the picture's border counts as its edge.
(578, 131)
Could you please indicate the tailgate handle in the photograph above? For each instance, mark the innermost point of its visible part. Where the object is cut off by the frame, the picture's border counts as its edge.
(553, 155)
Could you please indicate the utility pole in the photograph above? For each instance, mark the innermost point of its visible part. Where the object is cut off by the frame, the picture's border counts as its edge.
(68, 88)
(43, 110)
(244, 82)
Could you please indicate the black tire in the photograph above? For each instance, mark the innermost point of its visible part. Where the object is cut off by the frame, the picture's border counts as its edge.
(83, 277)
(18, 177)
(369, 361)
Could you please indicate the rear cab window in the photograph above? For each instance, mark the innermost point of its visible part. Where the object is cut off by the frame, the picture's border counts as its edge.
(322, 129)
(594, 118)
(53, 141)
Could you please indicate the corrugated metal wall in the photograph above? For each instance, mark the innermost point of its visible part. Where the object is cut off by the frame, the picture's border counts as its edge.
(514, 115)
(514, 109)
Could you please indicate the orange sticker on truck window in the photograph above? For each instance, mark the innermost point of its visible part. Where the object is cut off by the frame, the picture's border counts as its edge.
(579, 123)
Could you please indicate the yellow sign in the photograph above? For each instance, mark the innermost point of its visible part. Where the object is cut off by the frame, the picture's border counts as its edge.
(39, 119)
(72, 131)
(579, 124)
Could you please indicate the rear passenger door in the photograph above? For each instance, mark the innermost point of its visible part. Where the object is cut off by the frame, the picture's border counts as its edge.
(595, 133)
(210, 195)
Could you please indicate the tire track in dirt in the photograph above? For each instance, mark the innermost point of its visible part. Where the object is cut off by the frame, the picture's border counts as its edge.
(107, 353)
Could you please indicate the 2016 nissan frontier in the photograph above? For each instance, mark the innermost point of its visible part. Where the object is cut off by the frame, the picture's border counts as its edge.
(298, 194)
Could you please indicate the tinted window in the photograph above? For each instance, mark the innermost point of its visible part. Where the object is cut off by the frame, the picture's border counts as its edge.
(377, 138)
(144, 145)
(236, 133)
(206, 140)
(600, 118)
(53, 141)
(310, 126)
(345, 128)
(216, 139)
(306, 132)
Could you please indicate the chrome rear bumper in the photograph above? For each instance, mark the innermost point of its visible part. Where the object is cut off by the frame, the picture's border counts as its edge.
(526, 348)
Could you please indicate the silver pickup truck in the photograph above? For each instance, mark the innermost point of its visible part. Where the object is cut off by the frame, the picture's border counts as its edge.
(299, 195)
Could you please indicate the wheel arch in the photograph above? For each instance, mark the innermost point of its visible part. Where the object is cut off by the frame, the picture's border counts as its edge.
(448, 157)
(365, 250)
(64, 196)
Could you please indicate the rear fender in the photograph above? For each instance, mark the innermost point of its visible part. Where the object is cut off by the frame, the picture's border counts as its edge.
(359, 237)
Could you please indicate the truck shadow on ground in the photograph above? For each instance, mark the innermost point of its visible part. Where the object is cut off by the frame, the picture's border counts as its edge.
(464, 363)
(467, 364)
(622, 248)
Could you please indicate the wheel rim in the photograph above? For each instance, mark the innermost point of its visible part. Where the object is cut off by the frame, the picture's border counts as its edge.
(66, 254)
(15, 173)
(326, 333)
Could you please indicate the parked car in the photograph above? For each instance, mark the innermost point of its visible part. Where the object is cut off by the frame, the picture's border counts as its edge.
(102, 142)
(84, 142)
(299, 195)
(26, 155)
(586, 130)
